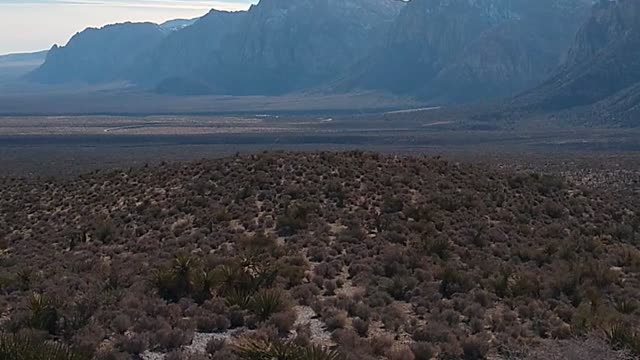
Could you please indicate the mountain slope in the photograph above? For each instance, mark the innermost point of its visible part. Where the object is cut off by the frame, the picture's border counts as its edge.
(281, 46)
(459, 50)
(99, 55)
(184, 55)
(13, 66)
(599, 83)
(603, 61)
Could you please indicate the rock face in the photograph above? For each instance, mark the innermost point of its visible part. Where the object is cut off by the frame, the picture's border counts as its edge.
(461, 50)
(602, 66)
(177, 64)
(288, 45)
(440, 50)
(99, 55)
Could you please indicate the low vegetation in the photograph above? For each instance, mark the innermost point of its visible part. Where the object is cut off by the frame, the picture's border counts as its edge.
(318, 256)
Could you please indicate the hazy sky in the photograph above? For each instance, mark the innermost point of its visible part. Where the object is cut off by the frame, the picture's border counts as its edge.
(29, 25)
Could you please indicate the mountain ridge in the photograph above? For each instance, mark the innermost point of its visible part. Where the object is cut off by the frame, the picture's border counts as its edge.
(602, 70)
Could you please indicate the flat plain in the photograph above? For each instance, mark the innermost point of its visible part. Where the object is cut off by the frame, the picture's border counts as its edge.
(68, 145)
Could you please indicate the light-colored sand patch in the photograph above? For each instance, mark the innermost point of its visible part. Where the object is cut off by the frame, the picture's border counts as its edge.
(319, 333)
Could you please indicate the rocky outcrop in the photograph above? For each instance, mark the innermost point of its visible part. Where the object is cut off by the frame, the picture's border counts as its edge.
(602, 69)
(460, 50)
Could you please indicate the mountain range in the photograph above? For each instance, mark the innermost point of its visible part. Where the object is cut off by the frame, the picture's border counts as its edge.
(14, 66)
(547, 54)
(602, 71)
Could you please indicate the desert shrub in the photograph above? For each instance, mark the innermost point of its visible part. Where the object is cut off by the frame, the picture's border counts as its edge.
(361, 327)
(423, 351)
(284, 321)
(121, 323)
(381, 344)
(474, 349)
(172, 338)
(295, 218)
(392, 205)
(553, 209)
(213, 323)
(400, 353)
(452, 282)
(401, 287)
(214, 346)
(330, 286)
(133, 345)
(439, 246)
(105, 232)
(335, 320)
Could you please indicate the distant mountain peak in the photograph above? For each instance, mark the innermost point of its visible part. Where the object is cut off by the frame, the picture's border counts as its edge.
(177, 24)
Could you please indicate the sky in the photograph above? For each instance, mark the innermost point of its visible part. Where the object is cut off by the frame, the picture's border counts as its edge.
(32, 25)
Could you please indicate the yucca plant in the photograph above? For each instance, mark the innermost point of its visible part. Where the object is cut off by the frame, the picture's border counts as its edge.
(232, 278)
(266, 303)
(319, 353)
(163, 280)
(626, 307)
(622, 335)
(239, 298)
(19, 348)
(203, 283)
(183, 268)
(24, 278)
(266, 350)
(244, 278)
(278, 350)
(44, 313)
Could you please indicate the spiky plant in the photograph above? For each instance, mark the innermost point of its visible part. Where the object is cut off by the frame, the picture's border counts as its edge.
(19, 348)
(25, 278)
(233, 278)
(622, 335)
(238, 298)
(266, 350)
(277, 350)
(44, 313)
(266, 303)
(625, 306)
(164, 282)
(319, 353)
(203, 283)
(183, 268)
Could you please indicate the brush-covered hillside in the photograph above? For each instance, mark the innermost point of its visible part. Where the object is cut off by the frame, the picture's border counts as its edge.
(318, 256)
